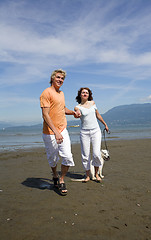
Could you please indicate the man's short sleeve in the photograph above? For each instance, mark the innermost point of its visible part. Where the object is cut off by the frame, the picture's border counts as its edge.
(45, 99)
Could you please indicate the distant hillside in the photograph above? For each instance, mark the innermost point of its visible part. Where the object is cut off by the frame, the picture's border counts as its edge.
(20, 128)
(129, 114)
(120, 115)
(4, 124)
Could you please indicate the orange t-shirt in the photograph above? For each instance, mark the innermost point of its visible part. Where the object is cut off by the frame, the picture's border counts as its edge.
(56, 102)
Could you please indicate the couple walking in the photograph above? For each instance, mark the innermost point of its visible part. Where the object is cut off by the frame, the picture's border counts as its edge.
(55, 135)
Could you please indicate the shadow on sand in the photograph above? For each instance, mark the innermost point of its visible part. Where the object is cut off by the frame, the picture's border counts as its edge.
(41, 183)
(45, 183)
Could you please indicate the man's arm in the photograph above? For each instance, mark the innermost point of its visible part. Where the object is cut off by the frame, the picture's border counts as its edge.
(47, 119)
(70, 112)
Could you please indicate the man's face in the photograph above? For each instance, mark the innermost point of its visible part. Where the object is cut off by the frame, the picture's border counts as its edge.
(58, 80)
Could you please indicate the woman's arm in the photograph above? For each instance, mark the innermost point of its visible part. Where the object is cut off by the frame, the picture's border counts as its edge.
(99, 117)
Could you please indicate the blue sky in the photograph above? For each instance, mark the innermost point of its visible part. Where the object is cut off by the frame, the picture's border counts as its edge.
(103, 45)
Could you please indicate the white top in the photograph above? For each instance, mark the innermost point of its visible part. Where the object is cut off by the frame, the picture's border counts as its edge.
(88, 117)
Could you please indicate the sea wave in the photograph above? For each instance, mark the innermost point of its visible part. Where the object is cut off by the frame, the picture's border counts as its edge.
(21, 139)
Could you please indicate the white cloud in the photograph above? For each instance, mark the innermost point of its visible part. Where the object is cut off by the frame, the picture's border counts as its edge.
(86, 39)
(14, 101)
(111, 86)
(110, 40)
(146, 99)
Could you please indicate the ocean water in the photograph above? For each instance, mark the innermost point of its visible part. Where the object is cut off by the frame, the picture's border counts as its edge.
(12, 139)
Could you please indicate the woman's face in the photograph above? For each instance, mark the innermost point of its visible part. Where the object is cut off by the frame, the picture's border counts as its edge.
(84, 94)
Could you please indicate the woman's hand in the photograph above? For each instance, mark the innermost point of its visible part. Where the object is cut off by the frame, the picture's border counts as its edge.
(77, 113)
(106, 128)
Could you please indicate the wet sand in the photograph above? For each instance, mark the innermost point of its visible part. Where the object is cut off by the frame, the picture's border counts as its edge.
(117, 208)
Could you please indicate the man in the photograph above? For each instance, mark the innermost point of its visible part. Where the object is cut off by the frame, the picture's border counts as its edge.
(55, 134)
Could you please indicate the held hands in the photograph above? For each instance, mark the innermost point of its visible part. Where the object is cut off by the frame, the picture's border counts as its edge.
(77, 114)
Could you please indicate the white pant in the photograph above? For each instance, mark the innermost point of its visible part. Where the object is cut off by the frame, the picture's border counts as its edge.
(63, 149)
(86, 137)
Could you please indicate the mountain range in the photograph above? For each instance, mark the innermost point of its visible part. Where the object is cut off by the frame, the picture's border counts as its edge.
(129, 114)
(120, 115)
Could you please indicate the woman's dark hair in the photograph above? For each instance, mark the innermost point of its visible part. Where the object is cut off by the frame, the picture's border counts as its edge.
(78, 97)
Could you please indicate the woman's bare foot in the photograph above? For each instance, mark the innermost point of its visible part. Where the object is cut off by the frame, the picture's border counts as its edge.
(87, 179)
(98, 179)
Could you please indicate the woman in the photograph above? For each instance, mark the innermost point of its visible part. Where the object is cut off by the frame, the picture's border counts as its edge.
(90, 131)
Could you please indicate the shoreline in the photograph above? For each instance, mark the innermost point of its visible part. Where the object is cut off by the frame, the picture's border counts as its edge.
(119, 207)
(12, 148)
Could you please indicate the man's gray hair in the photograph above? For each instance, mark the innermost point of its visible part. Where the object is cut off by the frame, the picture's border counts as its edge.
(55, 72)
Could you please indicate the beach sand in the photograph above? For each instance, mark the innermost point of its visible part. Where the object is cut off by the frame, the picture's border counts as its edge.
(117, 208)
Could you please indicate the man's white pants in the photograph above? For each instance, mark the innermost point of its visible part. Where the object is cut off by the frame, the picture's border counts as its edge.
(54, 150)
(86, 137)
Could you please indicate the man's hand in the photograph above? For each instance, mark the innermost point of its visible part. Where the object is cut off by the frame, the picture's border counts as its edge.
(59, 138)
